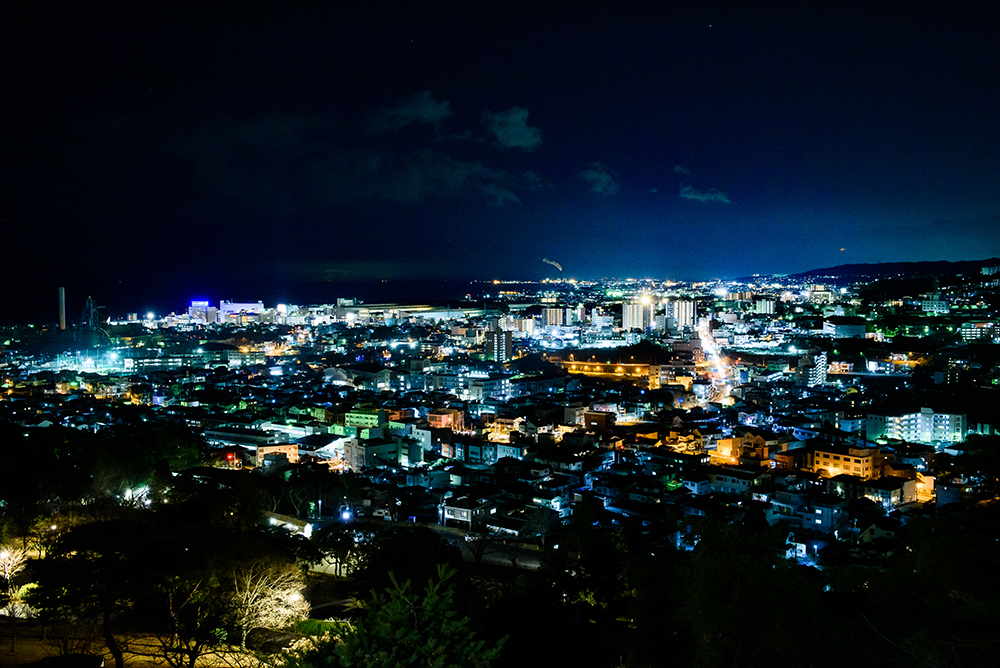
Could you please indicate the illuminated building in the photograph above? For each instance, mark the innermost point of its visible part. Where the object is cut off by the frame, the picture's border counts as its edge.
(240, 313)
(932, 303)
(924, 426)
(764, 307)
(834, 460)
(844, 328)
(198, 311)
(553, 316)
(974, 331)
(637, 315)
(366, 416)
(681, 310)
(599, 320)
(820, 294)
(499, 346)
(811, 369)
(888, 491)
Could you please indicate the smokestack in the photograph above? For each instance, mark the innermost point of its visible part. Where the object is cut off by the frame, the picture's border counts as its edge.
(62, 308)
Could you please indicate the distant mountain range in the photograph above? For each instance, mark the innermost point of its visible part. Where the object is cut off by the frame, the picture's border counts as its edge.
(888, 269)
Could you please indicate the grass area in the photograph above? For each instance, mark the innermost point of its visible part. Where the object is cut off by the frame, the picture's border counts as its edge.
(27, 648)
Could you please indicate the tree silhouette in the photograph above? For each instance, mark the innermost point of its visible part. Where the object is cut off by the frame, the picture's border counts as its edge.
(482, 543)
(404, 628)
(94, 572)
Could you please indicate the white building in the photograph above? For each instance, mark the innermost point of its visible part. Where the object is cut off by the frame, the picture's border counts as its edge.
(924, 426)
(844, 328)
(682, 311)
(764, 307)
(553, 316)
(637, 315)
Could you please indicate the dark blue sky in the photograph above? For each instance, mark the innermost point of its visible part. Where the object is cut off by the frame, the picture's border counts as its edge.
(198, 149)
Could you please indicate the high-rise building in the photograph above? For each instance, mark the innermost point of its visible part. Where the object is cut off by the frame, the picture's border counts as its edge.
(526, 325)
(681, 310)
(553, 316)
(764, 307)
(637, 315)
(811, 369)
(817, 375)
(499, 346)
(198, 311)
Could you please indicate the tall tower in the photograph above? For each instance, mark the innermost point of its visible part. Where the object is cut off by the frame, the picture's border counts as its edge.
(91, 314)
(62, 308)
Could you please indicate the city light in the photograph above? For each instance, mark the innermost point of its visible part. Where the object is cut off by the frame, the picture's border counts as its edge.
(501, 334)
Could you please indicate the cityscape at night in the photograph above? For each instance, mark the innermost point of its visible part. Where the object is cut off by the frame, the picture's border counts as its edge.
(500, 334)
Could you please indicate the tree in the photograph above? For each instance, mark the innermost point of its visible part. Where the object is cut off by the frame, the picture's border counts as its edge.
(411, 553)
(540, 523)
(736, 595)
(95, 572)
(405, 628)
(187, 606)
(481, 544)
(12, 562)
(981, 463)
(511, 549)
(266, 593)
(343, 545)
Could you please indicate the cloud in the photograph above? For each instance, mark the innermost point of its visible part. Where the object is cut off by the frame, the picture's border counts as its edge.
(259, 161)
(682, 170)
(284, 162)
(498, 194)
(531, 181)
(511, 130)
(601, 182)
(344, 269)
(420, 107)
(710, 195)
(410, 177)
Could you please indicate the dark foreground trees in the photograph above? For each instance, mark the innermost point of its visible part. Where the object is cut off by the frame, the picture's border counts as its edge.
(94, 573)
(187, 586)
(403, 628)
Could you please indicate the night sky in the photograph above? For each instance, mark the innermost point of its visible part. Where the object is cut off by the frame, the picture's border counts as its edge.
(211, 153)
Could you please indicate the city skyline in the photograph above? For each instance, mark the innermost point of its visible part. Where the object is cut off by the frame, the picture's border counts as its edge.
(324, 144)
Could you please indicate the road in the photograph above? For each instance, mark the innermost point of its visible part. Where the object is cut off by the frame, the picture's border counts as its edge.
(528, 556)
(721, 372)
